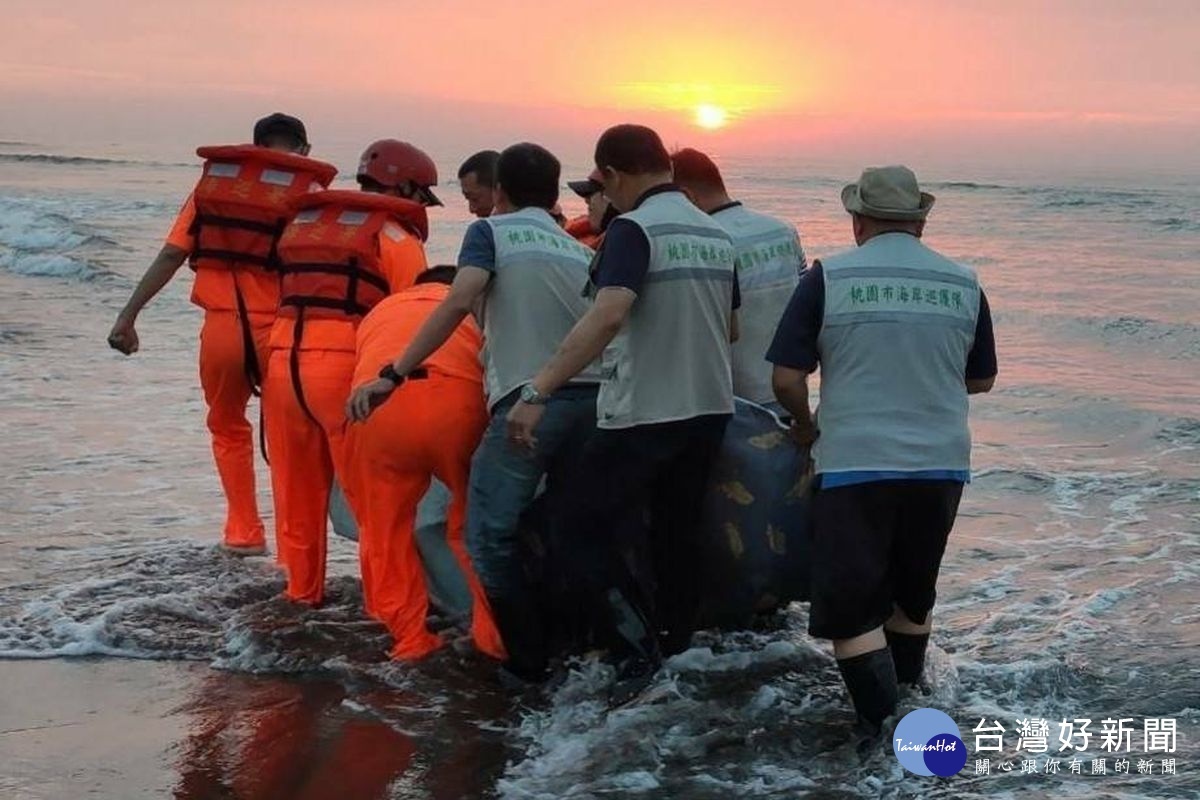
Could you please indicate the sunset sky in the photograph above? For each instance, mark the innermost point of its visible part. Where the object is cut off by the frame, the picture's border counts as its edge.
(1083, 82)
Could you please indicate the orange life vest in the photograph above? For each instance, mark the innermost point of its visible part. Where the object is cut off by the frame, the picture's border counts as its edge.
(243, 203)
(580, 229)
(329, 252)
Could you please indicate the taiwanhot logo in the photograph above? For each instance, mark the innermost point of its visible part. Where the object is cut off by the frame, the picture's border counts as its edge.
(926, 743)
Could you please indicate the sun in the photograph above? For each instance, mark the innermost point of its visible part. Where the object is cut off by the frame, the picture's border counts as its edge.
(710, 117)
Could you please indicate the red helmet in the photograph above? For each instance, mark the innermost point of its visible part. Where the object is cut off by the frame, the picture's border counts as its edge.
(391, 163)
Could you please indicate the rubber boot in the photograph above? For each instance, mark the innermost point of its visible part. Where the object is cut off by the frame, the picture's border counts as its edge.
(638, 658)
(520, 624)
(871, 681)
(908, 654)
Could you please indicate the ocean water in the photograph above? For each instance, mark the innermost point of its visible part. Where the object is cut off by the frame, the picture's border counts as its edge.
(138, 661)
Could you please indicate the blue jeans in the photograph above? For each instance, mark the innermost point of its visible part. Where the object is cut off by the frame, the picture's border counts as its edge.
(505, 479)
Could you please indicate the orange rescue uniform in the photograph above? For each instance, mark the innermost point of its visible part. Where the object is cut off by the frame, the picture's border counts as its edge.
(229, 226)
(580, 229)
(429, 427)
(223, 375)
(308, 382)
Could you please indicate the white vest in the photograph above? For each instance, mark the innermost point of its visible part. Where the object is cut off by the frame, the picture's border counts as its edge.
(770, 260)
(898, 326)
(534, 299)
(671, 359)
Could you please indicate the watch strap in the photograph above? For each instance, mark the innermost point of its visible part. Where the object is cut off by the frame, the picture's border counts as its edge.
(388, 373)
(532, 396)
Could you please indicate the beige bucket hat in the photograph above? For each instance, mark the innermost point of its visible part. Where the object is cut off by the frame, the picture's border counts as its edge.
(887, 193)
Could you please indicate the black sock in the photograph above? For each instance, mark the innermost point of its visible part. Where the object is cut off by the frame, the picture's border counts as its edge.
(908, 653)
(871, 680)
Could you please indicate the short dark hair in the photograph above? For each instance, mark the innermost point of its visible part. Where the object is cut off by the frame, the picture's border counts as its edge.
(280, 128)
(528, 174)
(442, 273)
(483, 164)
(693, 168)
(634, 149)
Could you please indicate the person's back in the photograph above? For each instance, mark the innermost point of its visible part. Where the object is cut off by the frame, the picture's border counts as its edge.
(341, 255)
(344, 251)
(671, 361)
(394, 322)
(535, 296)
(233, 222)
(899, 323)
(770, 260)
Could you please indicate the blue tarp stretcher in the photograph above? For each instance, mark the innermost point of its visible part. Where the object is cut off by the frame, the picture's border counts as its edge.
(755, 536)
(443, 579)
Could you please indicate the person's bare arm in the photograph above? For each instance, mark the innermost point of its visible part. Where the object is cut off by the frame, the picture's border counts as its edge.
(791, 390)
(123, 336)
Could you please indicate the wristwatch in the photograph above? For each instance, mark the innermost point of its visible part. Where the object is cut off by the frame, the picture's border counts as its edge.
(532, 396)
(388, 373)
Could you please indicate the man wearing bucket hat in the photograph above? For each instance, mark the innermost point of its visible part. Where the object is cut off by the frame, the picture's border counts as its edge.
(901, 335)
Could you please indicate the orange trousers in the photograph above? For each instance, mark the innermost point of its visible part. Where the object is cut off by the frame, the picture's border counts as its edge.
(427, 428)
(227, 393)
(306, 452)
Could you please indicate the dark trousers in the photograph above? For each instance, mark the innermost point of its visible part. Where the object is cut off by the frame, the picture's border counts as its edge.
(662, 469)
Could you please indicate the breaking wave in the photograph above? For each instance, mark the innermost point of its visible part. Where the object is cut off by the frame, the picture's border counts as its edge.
(46, 238)
(61, 160)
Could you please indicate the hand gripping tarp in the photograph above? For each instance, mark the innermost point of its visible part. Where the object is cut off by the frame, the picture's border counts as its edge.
(443, 579)
(756, 521)
(755, 536)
